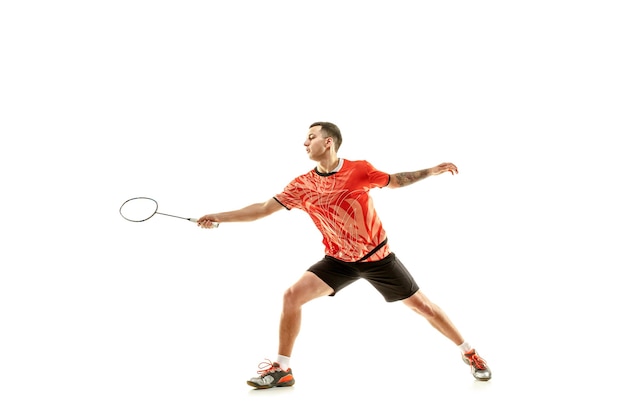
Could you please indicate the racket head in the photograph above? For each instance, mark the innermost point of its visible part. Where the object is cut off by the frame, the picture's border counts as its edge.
(139, 209)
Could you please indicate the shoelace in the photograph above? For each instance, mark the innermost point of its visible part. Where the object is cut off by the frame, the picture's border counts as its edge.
(477, 361)
(266, 367)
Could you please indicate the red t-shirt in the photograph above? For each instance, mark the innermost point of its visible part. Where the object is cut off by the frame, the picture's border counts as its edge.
(340, 206)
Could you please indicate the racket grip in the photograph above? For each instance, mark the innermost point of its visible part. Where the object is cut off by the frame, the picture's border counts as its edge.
(215, 225)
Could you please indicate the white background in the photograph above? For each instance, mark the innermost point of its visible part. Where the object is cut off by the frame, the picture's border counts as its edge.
(204, 106)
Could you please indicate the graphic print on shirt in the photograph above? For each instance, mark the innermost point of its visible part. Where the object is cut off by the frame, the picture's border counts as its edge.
(340, 206)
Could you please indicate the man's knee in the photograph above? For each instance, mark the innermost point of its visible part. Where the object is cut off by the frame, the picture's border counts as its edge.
(306, 289)
(421, 305)
(290, 298)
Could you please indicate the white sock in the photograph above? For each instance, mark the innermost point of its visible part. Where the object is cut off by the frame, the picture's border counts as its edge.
(465, 347)
(283, 361)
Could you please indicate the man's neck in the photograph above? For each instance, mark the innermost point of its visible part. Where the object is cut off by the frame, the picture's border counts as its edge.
(328, 165)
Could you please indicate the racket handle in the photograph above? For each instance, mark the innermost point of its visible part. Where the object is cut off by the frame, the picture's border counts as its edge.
(215, 225)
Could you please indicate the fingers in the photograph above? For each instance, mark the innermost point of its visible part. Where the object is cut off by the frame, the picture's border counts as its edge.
(449, 167)
(206, 223)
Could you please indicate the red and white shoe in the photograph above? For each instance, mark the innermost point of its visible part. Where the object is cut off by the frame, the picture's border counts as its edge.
(480, 370)
(272, 375)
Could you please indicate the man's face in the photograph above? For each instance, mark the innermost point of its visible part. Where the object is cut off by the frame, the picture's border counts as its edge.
(316, 144)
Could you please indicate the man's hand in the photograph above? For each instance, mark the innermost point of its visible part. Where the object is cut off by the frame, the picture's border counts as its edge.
(207, 222)
(444, 167)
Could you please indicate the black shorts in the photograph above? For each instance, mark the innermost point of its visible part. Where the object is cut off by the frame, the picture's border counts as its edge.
(388, 276)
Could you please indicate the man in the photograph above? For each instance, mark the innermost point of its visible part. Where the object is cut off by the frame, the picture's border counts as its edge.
(335, 194)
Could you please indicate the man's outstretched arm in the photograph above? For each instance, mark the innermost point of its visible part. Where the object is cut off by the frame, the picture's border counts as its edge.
(246, 214)
(402, 179)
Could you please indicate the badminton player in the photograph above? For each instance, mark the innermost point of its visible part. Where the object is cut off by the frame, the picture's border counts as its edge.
(335, 194)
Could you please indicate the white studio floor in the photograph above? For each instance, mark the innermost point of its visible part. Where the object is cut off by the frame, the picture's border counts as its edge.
(204, 106)
(158, 336)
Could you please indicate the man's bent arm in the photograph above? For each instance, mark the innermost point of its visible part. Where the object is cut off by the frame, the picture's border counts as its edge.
(402, 179)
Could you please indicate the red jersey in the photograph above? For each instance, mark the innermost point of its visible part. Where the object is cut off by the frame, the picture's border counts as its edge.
(341, 207)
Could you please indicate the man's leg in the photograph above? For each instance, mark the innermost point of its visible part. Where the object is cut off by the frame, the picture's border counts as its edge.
(307, 288)
(278, 374)
(419, 303)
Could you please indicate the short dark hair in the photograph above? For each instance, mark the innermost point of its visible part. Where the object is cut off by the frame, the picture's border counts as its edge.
(330, 129)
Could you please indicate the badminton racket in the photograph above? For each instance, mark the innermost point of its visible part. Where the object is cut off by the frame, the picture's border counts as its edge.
(140, 209)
